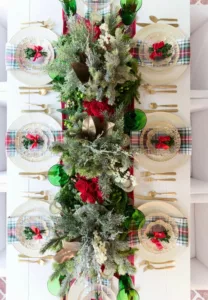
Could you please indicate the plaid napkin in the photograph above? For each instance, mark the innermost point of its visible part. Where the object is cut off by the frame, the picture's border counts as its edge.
(186, 140)
(11, 228)
(96, 6)
(11, 60)
(182, 224)
(184, 56)
(11, 136)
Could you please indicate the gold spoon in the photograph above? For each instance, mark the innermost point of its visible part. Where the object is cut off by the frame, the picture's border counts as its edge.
(41, 92)
(46, 111)
(39, 177)
(34, 198)
(43, 257)
(41, 105)
(151, 267)
(154, 105)
(147, 262)
(157, 86)
(155, 19)
(153, 193)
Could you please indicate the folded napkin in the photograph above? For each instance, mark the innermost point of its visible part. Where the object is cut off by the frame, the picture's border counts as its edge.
(184, 55)
(11, 60)
(11, 228)
(99, 7)
(11, 136)
(185, 135)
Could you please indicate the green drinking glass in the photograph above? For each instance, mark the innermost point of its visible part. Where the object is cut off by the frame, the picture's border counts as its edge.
(129, 10)
(69, 7)
(57, 176)
(134, 120)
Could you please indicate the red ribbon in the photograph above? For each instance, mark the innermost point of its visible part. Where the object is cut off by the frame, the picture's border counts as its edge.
(155, 239)
(38, 53)
(38, 235)
(33, 138)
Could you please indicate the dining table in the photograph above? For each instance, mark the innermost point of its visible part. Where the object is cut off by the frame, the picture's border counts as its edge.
(28, 281)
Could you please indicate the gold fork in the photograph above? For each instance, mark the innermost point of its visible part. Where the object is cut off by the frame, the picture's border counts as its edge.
(39, 261)
(36, 198)
(153, 193)
(154, 105)
(43, 257)
(41, 105)
(150, 179)
(35, 87)
(146, 262)
(147, 173)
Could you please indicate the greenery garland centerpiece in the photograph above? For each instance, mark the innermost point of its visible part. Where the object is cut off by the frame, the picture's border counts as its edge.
(97, 79)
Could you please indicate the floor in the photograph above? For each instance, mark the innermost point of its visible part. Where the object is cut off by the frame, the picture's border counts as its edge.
(199, 295)
(2, 288)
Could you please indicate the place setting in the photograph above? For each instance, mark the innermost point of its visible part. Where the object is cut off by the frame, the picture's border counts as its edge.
(161, 141)
(163, 53)
(28, 53)
(28, 142)
(164, 236)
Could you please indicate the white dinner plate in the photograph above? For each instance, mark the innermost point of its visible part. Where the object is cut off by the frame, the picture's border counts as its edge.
(38, 166)
(41, 33)
(165, 166)
(78, 286)
(19, 211)
(167, 75)
(172, 211)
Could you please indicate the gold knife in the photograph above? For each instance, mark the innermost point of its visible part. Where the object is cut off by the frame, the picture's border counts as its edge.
(39, 173)
(159, 110)
(146, 24)
(141, 197)
(35, 87)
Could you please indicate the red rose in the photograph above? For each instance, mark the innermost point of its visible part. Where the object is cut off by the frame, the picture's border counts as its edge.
(163, 139)
(153, 55)
(159, 235)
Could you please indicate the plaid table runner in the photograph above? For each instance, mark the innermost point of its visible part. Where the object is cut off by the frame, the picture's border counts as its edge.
(182, 224)
(11, 60)
(11, 228)
(186, 140)
(184, 55)
(11, 137)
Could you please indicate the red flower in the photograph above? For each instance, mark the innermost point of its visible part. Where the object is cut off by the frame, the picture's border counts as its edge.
(38, 53)
(160, 145)
(96, 108)
(38, 235)
(160, 235)
(159, 45)
(163, 139)
(89, 190)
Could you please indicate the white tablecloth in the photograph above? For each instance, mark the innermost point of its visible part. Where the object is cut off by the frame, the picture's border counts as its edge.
(29, 281)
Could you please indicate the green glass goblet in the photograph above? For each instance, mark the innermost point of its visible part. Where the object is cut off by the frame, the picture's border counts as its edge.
(57, 176)
(134, 120)
(129, 294)
(129, 10)
(69, 7)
